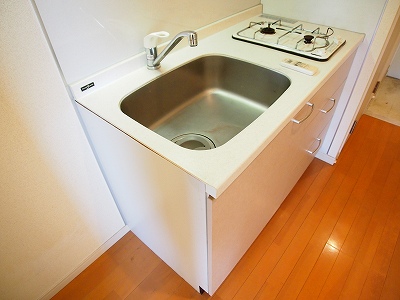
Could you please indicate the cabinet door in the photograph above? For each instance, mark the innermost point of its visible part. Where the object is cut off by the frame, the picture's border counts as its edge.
(324, 114)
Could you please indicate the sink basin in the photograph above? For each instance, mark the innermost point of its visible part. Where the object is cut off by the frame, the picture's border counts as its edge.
(206, 102)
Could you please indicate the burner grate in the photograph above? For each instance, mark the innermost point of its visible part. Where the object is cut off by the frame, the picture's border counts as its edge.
(294, 37)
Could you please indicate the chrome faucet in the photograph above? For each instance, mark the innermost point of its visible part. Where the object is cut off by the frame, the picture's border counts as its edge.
(150, 44)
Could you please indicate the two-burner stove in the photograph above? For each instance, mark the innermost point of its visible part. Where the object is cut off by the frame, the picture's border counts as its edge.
(303, 39)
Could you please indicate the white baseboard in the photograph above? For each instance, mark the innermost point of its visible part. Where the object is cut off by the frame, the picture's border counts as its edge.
(95, 255)
(326, 158)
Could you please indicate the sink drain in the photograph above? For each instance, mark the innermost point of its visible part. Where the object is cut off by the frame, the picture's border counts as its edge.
(194, 141)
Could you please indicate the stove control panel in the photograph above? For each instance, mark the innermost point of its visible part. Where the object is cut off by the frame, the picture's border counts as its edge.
(299, 66)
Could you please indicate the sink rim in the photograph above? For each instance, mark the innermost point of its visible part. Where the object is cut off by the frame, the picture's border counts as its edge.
(251, 102)
(199, 57)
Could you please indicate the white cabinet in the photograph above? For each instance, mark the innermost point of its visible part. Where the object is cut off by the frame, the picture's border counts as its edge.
(203, 238)
(237, 217)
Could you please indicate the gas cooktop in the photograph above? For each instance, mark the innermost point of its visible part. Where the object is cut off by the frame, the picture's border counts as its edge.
(303, 39)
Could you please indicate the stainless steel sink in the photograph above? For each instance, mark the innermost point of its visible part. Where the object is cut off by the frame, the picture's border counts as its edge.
(206, 102)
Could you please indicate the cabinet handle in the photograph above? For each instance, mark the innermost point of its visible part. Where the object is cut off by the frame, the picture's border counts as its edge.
(306, 117)
(319, 144)
(326, 111)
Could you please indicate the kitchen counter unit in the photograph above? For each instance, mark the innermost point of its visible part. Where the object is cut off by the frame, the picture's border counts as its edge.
(219, 167)
(200, 211)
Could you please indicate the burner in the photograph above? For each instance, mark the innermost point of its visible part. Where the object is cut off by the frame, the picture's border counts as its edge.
(308, 39)
(304, 39)
(267, 30)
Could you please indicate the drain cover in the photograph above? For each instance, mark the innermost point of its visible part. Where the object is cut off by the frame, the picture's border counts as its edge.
(194, 141)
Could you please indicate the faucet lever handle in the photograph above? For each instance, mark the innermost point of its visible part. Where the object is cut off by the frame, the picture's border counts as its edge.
(151, 40)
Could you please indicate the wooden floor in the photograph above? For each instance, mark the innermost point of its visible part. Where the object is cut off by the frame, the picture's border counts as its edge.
(335, 236)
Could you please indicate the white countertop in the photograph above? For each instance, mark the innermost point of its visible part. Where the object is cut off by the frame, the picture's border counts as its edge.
(219, 167)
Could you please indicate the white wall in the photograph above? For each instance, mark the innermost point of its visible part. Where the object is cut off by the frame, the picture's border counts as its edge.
(394, 69)
(55, 208)
(355, 15)
(91, 35)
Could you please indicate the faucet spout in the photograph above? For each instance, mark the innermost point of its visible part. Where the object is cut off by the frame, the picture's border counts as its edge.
(154, 60)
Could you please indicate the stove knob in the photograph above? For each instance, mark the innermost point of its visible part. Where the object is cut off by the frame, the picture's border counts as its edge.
(308, 38)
